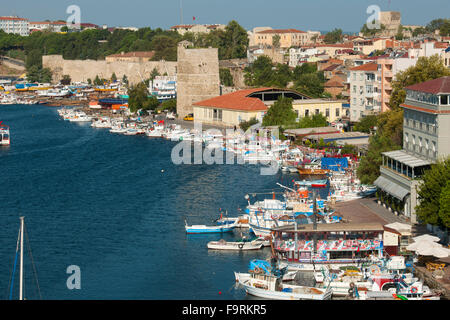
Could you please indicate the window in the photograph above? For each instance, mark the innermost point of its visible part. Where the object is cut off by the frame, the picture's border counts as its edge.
(444, 100)
(337, 112)
(327, 112)
(306, 112)
(317, 111)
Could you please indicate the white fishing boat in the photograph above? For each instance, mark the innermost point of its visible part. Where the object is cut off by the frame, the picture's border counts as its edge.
(197, 229)
(235, 246)
(5, 138)
(272, 287)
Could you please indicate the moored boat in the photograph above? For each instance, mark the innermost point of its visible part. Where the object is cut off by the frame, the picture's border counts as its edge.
(237, 245)
(5, 139)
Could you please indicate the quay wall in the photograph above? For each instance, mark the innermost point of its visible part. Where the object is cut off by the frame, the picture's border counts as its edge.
(82, 70)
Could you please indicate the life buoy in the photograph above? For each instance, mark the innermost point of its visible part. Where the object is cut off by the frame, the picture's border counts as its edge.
(240, 245)
(342, 193)
(414, 290)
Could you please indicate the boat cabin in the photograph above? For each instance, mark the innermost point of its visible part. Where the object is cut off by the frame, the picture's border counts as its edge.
(334, 243)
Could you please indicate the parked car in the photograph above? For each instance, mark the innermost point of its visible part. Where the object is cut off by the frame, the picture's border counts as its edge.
(189, 117)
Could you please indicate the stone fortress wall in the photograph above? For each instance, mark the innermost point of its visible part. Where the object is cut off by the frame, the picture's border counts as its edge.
(82, 70)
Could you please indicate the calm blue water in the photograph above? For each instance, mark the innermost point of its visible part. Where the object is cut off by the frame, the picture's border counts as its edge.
(100, 201)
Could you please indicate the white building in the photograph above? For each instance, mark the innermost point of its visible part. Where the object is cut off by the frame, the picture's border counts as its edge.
(51, 26)
(15, 25)
(163, 87)
(299, 54)
(364, 91)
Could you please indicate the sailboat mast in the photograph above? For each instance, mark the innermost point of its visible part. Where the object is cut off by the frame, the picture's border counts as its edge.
(21, 258)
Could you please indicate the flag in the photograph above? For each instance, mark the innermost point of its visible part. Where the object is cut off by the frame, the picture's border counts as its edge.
(193, 18)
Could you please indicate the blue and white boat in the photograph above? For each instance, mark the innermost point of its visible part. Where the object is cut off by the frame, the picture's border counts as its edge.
(196, 229)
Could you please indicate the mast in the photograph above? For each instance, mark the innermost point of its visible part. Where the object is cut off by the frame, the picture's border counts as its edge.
(21, 258)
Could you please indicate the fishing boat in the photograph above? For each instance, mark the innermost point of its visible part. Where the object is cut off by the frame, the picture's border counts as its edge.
(5, 139)
(272, 287)
(195, 229)
(236, 246)
(312, 174)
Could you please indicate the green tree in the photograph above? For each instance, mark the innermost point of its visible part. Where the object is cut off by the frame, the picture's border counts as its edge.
(281, 113)
(370, 32)
(333, 36)
(311, 84)
(98, 81)
(426, 68)
(276, 41)
(244, 125)
(226, 78)
(113, 77)
(138, 96)
(154, 74)
(170, 105)
(234, 42)
(433, 191)
(37, 74)
(66, 80)
(260, 73)
(366, 124)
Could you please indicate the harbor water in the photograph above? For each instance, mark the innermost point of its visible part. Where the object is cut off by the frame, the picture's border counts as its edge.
(115, 206)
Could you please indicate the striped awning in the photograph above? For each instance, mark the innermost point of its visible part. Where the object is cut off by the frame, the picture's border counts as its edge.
(391, 187)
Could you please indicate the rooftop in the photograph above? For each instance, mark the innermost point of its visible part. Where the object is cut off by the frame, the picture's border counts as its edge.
(366, 67)
(333, 227)
(237, 100)
(281, 31)
(306, 131)
(436, 86)
(406, 158)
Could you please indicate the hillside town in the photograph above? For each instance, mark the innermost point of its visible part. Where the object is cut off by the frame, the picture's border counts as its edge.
(364, 116)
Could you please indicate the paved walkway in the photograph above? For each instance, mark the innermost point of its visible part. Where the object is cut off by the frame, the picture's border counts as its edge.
(366, 210)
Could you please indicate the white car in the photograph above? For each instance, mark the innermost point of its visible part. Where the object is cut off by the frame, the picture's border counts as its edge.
(170, 116)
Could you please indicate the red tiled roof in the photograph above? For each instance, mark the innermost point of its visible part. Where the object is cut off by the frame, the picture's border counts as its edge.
(366, 67)
(138, 54)
(336, 81)
(436, 86)
(281, 31)
(12, 18)
(237, 100)
(331, 67)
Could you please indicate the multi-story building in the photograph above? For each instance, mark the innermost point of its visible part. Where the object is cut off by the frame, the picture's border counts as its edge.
(15, 25)
(364, 90)
(287, 37)
(426, 138)
(52, 26)
(197, 28)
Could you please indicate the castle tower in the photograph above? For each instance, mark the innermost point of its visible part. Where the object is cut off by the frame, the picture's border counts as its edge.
(197, 76)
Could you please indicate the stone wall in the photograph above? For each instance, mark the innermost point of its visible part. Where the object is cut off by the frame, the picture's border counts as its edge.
(197, 77)
(82, 70)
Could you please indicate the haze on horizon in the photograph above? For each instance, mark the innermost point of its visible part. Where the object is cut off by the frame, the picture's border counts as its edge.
(321, 15)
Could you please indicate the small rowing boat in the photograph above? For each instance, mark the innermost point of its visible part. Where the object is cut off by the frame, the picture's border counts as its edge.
(238, 245)
(195, 229)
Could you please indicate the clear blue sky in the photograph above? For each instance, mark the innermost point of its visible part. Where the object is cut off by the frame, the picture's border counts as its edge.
(349, 15)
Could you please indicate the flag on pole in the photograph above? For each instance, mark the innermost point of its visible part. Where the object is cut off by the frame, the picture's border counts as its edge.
(193, 18)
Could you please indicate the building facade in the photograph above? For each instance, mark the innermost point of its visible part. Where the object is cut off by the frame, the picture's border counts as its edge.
(287, 37)
(15, 25)
(364, 91)
(426, 138)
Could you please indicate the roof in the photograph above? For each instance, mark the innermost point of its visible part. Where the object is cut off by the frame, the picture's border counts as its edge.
(435, 86)
(335, 81)
(341, 135)
(333, 227)
(306, 131)
(331, 67)
(138, 54)
(366, 67)
(237, 100)
(281, 31)
(406, 158)
(13, 18)
(391, 187)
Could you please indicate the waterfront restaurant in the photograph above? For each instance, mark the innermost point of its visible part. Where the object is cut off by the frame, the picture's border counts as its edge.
(337, 243)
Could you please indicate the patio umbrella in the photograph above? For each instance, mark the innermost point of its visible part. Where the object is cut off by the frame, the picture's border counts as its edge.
(436, 251)
(426, 237)
(420, 244)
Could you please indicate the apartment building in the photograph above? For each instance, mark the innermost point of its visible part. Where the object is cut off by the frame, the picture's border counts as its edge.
(15, 25)
(364, 91)
(52, 26)
(426, 138)
(287, 37)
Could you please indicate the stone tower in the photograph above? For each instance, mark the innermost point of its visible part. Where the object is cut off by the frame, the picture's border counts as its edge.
(197, 76)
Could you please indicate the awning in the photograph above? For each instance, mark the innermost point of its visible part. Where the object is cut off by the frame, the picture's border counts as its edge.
(391, 187)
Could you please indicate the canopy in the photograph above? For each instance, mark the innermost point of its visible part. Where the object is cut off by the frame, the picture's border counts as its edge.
(426, 237)
(437, 251)
(403, 228)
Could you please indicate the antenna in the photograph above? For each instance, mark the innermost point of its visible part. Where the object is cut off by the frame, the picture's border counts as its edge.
(181, 12)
